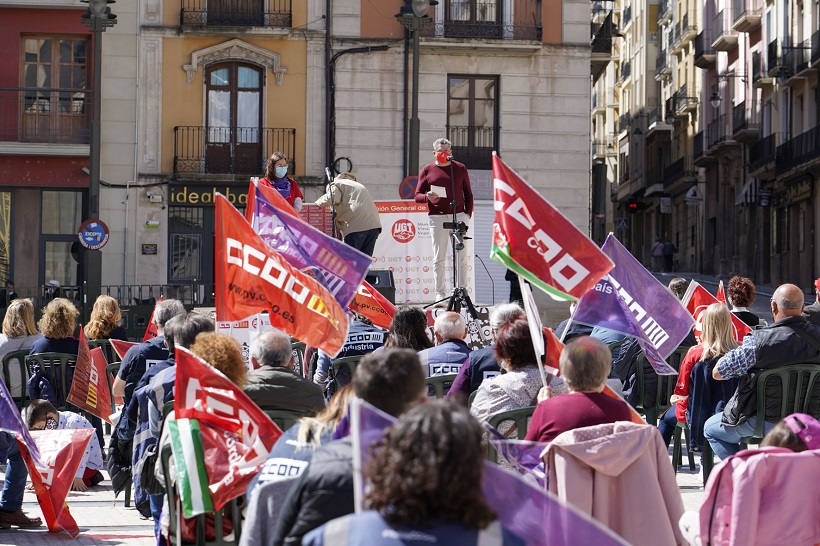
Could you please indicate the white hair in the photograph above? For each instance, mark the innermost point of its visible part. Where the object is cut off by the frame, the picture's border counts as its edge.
(450, 325)
(439, 141)
(272, 349)
(504, 312)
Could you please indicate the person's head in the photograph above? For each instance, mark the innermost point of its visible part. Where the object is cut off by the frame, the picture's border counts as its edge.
(502, 313)
(223, 353)
(585, 364)
(59, 319)
(277, 166)
(717, 337)
(428, 467)
(449, 325)
(346, 176)
(787, 301)
(441, 149)
(798, 432)
(163, 312)
(678, 287)
(181, 330)
(105, 316)
(408, 330)
(19, 319)
(741, 291)
(513, 345)
(392, 380)
(272, 349)
(312, 428)
(42, 415)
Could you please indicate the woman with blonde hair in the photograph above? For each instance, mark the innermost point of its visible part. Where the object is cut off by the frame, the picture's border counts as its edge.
(105, 320)
(717, 339)
(57, 326)
(19, 334)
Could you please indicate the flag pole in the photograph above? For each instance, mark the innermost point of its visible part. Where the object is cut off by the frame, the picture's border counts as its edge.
(534, 321)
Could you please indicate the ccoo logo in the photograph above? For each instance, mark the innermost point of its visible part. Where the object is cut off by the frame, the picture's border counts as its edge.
(404, 231)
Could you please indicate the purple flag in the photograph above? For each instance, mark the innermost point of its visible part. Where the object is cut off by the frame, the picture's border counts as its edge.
(631, 301)
(529, 511)
(522, 456)
(339, 267)
(11, 421)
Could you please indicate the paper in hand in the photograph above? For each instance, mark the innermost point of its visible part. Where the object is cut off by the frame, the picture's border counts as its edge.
(440, 190)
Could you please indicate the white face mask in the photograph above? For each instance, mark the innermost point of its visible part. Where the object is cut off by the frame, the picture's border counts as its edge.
(281, 172)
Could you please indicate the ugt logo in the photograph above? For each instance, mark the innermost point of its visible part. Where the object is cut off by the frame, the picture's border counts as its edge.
(404, 231)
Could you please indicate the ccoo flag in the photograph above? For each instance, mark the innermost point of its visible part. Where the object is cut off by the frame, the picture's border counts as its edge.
(89, 388)
(339, 267)
(371, 303)
(536, 241)
(697, 299)
(251, 277)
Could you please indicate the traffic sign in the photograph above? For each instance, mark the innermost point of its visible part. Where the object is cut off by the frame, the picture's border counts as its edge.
(407, 188)
(93, 234)
(622, 224)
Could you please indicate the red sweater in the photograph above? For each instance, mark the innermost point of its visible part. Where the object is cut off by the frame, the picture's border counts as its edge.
(437, 175)
(574, 410)
(693, 356)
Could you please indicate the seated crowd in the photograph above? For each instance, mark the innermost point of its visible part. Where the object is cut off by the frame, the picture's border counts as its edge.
(440, 499)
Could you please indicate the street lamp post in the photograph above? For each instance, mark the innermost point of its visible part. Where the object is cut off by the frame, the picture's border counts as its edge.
(413, 16)
(97, 19)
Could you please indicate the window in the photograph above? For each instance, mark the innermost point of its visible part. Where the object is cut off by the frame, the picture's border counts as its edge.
(472, 18)
(54, 101)
(472, 119)
(62, 213)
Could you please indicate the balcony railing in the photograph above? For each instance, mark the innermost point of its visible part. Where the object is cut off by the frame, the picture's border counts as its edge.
(486, 19)
(717, 131)
(664, 8)
(474, 145)
(697, 145)
(45, 115)
(747, 14)
(627, 16)
(660, 62)
(815, 48)
(626, 70)
(723, 37)
(704, 52)
(773, 60)
(602, 36)
(758, 67)
(624, 121)
(799, 150)
(762, 152)
(796, 58)
(229, 150)
(745, 121)
(236, 13)
(681, 168)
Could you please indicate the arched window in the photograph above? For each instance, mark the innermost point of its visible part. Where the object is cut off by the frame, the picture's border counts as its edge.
(233, 118)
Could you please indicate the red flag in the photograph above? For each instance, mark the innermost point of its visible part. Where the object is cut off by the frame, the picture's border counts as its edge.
(271, 196)
(151, 329)
(721, 296)
(251, 277)
(697, 299)
(121, 347)
(61, 452)
(237, 436)
(371, 303)
(536, 241)
(89, 388)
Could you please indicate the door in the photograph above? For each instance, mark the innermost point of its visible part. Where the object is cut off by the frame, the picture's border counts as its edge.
(472, 19)
(234, 119)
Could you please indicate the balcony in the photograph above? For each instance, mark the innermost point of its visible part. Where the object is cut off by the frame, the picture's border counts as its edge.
(724, 38)
(687, 32)
(626, 70)
(486, 19)
(601, 47)
(747, 15)
(798, 151)
(762, 156)
(681, 171)
(705, 55)
(701, 158)
(603, 149)
(717, 132)
(653, 178)
(235, 13)
(45, 115)
(474, 145)
(745, 124)
(624, 121)
(664, 11)
(675, 43)
(626, 17)
(229, 150)
(598, 102)
(815, 48)
(760, 76)
(796, 59)
(773, 60)
(662, 68)
(682, 103)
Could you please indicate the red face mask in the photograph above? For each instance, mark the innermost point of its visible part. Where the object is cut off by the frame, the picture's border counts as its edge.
(443, 157)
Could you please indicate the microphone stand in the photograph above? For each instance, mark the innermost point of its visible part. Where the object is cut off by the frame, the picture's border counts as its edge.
(329, 176)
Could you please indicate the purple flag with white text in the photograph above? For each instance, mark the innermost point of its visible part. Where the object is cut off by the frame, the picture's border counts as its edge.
(527, 510)
(631, 301)
(339, 267)
(11, 421)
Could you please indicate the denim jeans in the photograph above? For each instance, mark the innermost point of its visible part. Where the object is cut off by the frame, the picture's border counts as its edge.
(364, 241)
(667, 424)
(725, 439)
(16, 474)
(155, 501)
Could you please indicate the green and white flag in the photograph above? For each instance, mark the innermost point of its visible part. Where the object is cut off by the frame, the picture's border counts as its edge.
(186, 445)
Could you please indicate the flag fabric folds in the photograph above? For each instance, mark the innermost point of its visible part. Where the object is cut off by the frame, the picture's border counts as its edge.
(89, 388)
(697, 299)
(721, 294)
(189, 456)
(251, 277)
(121, 347)
(528, 511)
(371, 303)
(236, 435)
(11, 421)
(150, 330)
(631, 301)
(339, 267)
(533, 239)
(61, 452)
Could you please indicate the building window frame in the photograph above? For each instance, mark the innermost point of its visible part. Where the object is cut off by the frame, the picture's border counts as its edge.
(474, 142)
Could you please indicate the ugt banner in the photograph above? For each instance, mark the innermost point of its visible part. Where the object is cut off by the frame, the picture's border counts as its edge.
(251, 277)
(89, 389)
(236, 435)
(536, 241)
(697, 299)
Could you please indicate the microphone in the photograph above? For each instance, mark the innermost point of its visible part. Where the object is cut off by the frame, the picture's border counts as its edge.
(329, 175)
(450, 158)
